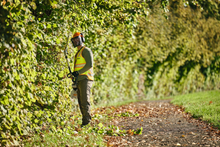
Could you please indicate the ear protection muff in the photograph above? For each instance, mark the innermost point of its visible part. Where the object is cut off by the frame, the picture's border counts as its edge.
(82, 37)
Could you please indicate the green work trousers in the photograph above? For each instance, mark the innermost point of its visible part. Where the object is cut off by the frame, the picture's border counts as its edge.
(83, 95)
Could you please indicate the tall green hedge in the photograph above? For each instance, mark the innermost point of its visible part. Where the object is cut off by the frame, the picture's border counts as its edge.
(34, 87)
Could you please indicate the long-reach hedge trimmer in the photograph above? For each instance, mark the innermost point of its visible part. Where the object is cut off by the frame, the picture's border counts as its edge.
(69, 75)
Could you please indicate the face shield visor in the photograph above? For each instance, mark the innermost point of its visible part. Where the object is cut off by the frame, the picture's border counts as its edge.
(76, 41)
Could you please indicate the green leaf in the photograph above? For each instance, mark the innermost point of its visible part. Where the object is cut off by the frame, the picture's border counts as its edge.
(6, 102)
(55, 25)
(20, 90)
(30, 95)
(58, 41)
(17, 77)
(47, 88)
(100, 125)
(32, 87)
(49, 26)
(54, 2)
(43, 76)
(61, 74)
(36, 120)
(10, 84)
(139, 131)
(12, 61)
(33, 5)
(30, 36)
(29, 114)
(27, 65)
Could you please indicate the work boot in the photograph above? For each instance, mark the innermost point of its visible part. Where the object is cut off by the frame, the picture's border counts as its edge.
(84, 124)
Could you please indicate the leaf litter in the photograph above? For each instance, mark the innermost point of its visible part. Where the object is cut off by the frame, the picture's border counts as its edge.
(158, 123)
(148, 123)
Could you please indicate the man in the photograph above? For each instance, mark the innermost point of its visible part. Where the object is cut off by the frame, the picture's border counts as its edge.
(83, 70)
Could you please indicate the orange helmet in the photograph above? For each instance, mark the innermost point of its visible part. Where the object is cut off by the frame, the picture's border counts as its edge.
(76, 34)
(79, 37)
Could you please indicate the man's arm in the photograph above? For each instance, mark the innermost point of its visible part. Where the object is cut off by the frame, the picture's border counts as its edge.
(88, 56)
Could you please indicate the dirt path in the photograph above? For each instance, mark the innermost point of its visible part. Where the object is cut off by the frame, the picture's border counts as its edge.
(163, 125)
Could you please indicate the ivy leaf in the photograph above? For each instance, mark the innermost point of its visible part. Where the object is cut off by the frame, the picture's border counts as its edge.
(55, 25)
(61, 74)
(139, 131)
(30, 95)
(30, 36)
(6, 102)
(33, 5)
(100, 125)
(58, 41)
(36, 120)
(47, 88)
(49, 26)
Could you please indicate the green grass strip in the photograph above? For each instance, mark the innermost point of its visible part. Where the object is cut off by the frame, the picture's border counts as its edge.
(204, 105)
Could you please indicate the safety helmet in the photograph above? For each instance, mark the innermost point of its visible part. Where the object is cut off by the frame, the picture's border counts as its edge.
(77, 39)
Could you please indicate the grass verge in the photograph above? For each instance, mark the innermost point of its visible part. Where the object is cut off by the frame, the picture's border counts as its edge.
(204, 105)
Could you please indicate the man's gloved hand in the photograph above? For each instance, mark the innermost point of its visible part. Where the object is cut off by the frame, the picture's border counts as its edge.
(75, 73)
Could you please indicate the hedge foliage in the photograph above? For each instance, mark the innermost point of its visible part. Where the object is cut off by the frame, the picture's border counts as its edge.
(180, 52)
(157, 48)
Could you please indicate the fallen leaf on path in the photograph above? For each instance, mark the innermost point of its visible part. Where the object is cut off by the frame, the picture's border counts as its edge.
(130, 132)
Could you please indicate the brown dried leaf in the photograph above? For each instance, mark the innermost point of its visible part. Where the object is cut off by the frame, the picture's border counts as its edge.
(130, 132)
